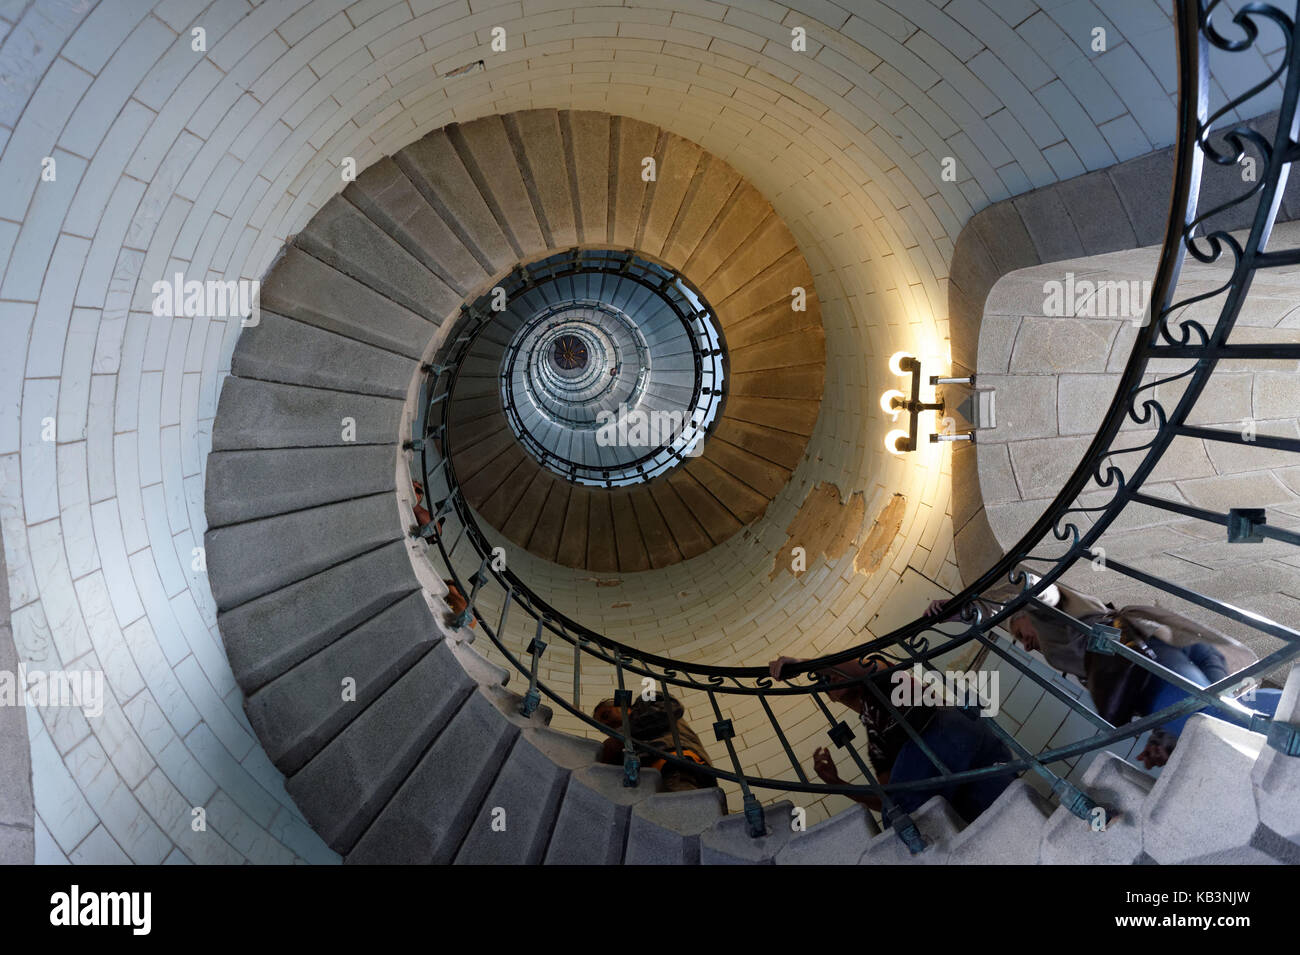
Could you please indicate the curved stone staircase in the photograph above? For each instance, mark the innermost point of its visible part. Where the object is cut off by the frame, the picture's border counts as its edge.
(400, 742)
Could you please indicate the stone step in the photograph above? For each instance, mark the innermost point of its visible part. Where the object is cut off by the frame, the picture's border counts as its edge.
(591, 828)
(1007, 832)
(298, 713)
(688, 533)
(295, 546)
(348, 783)
(677, 170)
(261, 414)
(390, 199)
(633, 142)
(1207, 778)
(306, 289)
(474, 412)
(504, 482)
(482, 670)
(740, 223)
(544, 540)
(939, 825)
(586, 141)
(483, 363)
(283, 350)
(267, 636)
(514, 823)
(564, 749)
(429, 815)
(839, 840)
(665, 829)
(1119, 787)
(496, 335)
(712, 515)
(656, 535)
(484, 146)
(728, 842)
(536, 134)
(344, 238)
(247, 485)
(705, 199)
(473, 458)
(1276, 776)
(437, 171)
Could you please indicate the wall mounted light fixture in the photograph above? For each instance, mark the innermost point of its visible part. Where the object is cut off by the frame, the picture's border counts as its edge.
(894, 402)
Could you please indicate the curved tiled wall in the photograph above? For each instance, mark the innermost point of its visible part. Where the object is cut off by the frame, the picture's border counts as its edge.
(166, 159)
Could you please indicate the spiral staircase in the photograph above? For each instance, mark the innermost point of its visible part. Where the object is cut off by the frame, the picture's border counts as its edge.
(308, 548)
(526, 238)
(312, 553)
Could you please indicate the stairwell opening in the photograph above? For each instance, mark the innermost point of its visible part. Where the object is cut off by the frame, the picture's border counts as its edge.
(615, 368)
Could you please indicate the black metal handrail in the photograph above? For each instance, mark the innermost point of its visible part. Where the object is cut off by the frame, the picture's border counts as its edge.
(921, 641)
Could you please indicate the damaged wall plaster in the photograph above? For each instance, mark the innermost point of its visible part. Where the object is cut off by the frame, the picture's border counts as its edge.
(826, 525)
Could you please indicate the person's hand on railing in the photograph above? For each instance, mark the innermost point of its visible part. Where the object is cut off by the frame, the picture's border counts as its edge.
(936, 608)
(776, 666)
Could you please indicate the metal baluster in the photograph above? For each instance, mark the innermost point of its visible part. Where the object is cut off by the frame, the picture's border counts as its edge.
(785, 744)
(1251, 619)
(536, 648)
(1047, 685)
(1071, 797)
(443, 508)
(505, 611)
(577, 673)
(916, 738)
(623, 700)
(677, 736)
(454, 544)
(841, 734)
(725, 732)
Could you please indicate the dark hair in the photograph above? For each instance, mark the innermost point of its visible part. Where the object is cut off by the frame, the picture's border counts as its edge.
(651, 719)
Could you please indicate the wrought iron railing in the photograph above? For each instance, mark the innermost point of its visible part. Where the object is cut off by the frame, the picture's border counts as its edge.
(1054, 544)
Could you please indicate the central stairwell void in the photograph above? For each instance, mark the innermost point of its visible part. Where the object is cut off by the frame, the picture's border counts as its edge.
(613, 371)
(437, 354)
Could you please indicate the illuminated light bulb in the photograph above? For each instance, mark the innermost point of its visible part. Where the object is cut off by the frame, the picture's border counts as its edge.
(886, 402)
(892, 439)
(896, 362)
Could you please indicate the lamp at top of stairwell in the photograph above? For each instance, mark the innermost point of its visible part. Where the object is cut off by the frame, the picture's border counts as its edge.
(894, 402)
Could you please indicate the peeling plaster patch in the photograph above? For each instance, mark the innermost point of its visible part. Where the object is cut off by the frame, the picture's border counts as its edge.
(824, 524)
(602, 581)
(881, 537)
